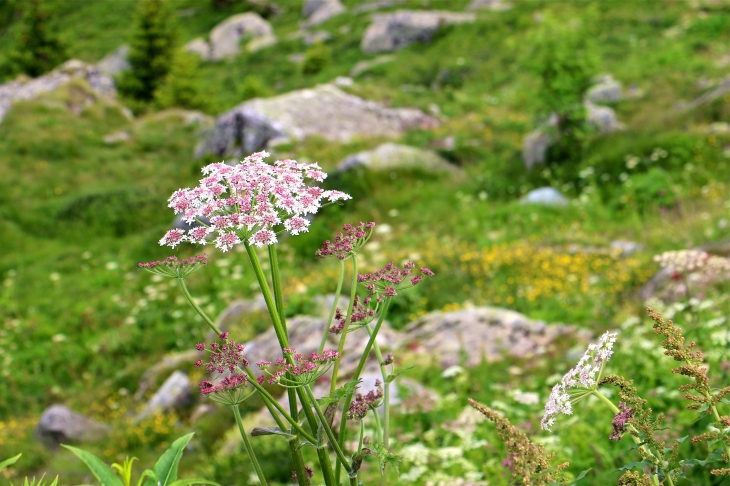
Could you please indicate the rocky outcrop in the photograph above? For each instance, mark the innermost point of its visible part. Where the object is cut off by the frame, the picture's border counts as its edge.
(607, 90)
(305, 334)
(174, 393)
(21, 90)
(319, 11)
(483, 333)
(225, 38)
(238, 132)
(59, 425)
(116, 62)
(602, 118)
(200, 47)
(392, 156)
(496, 5)
(394, 31)
(325, 110)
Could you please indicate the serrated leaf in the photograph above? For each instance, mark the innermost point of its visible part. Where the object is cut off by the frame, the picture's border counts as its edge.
(9, 462)
(258, 431)
(101, 471)
(166, 467)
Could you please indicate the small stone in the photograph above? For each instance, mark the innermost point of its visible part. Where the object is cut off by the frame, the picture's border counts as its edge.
(200, 47)
(59, 425)
(390, 156)
(546, 196)
(174, 393)
(115, 137)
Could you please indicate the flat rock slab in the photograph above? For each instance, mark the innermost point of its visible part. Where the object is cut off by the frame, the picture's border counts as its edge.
(225, 38)
(58, 425)
(484, 333)
(19, 90)
(394, 31)
(324, 111)
(392, 156)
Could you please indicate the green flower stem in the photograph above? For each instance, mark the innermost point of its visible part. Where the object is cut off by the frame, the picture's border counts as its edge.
(360, 366)
(268, 298)
(637, 441)
(716, 415)
(343, 335)
(269, 399)
(197, 308)
(362, 436)
(247, 446)
(279, 298)
(378, 425)
(386, 388)
(334, 306)
(328, 430)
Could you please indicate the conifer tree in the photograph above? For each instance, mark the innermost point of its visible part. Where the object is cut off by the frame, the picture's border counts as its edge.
(38, 49)
(151, 52)
(181, 86)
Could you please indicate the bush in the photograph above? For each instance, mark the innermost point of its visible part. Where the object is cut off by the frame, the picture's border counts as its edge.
(316, 58)
(252, 87)
(38, 50)
(181, 86)
(151, 52)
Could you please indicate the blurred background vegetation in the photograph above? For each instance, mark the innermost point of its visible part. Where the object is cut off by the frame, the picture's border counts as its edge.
(80, 324)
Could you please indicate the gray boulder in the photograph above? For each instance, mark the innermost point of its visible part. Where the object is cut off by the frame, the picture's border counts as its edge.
(225, 38)
(115, 62)
(535, 147)
(319, 11)
(305, 334)
(58, 425)
(495, 5)
(333, 114)
(394, 31)
(170, 363)
(200, 47)
(102, 86)
(602, 118)
(237, 133)
(607, 90)
(174, 393)
(392, 156)
(547, 196)
(364, 66)
(720, 90)
(483, 333)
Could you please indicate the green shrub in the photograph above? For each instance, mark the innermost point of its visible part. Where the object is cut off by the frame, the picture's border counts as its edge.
(151, 51)
(252, 87)
(38, 49)
(181, 86)
(316, 58)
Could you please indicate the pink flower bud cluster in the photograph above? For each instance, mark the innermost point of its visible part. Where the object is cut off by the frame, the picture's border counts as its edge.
(361, 314)
(350, 241)
(225, 357)
(363, 403)
(583, 375)
(620, 420)
(303, 370)
(388, 280)
(172, 267)
(249, 201)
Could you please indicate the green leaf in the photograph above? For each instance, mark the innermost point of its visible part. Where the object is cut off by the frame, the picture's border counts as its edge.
(9, 462)
(186, 482)
(166, 468)
(579, 477)
(637, 465)
(321, 437)
(101, 471)
(147, 473)
(257, 431)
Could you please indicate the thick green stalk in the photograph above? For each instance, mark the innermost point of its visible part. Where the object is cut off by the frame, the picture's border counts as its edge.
(358, 370)
(334, 306)
(716, 415)
(343, 335)
(637, 441)
(279, 298)
(247, 446)
(328, 429)
(197, 308)
(386, 389)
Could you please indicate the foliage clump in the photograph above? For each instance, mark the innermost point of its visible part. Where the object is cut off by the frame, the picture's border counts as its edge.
(38, 49)
(151, 53)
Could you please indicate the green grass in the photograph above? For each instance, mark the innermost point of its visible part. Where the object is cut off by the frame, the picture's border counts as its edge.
(81, 324)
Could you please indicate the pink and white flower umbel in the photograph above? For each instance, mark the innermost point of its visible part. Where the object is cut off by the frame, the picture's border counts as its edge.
(249, 201)
(584, 376)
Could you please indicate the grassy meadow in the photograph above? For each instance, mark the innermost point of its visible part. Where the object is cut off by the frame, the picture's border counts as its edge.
(80, 324)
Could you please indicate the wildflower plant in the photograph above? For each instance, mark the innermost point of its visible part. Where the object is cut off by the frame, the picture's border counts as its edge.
(251, 204)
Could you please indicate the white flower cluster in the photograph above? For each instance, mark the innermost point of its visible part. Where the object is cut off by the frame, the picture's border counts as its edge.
(584, 375)
(693, 260)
